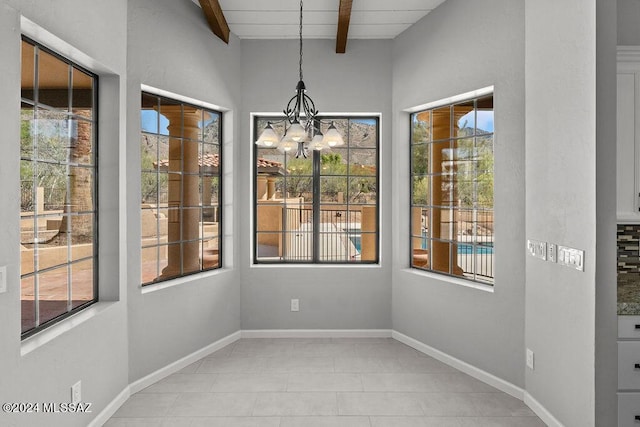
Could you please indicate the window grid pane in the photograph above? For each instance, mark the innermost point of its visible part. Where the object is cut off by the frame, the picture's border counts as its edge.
(181, 189)
(451, 164)
(340, 184)
(57, 188)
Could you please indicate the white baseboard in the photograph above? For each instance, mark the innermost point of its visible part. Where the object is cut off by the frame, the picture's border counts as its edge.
(468, 369)
(483, 376)
(541, 411)
(111, 408)
(161, 373)
(471, 370)
(174, 367)
(316, 333)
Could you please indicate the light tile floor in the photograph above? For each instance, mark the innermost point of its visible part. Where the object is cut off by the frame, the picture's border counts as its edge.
(368, 382)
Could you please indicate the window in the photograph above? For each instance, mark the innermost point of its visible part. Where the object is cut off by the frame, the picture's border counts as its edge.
(452, 189)
(320, 209)
(181, 177)
(58, 171)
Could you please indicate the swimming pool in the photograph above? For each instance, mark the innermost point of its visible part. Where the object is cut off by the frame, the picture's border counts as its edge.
(487, 248)
(463, 248)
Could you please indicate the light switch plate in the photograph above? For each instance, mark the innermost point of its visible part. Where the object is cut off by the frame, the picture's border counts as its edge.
(571, 257)
(537, 249)
(3, 279)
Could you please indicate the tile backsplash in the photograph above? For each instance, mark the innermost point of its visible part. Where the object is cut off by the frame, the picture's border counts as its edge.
(628, 237)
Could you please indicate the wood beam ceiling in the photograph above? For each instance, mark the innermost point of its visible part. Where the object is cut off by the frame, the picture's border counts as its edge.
(344, 16)
(215, 18)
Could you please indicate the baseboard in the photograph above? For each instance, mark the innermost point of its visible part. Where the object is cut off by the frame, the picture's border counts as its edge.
(174, 367)
(316, 333)
(111, 408)
(483, 376)
(471, 370)
(541, 411)
(468, 369)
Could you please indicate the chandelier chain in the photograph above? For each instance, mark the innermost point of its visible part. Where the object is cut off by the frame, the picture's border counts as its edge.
(301, 40)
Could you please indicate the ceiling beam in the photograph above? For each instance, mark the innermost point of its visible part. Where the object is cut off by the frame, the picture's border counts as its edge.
(215, 18)
(344, 16)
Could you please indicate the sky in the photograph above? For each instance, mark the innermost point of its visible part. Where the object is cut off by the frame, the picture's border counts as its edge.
(149, 122)
(485, 120)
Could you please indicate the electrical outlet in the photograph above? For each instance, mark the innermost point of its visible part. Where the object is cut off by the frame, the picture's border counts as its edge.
(76, 392)
(3, 279)
(530, 359)
(552, 252)
(295, 305)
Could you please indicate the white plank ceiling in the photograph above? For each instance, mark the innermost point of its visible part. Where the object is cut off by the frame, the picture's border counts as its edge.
(278, 19)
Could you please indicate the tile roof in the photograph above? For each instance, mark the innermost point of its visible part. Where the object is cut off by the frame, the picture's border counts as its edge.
(264, 163)
(213, 161)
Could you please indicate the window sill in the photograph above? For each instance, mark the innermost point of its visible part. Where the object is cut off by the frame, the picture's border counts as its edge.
(49, 334)
(307, 266)
(452, 280)
(182, 280)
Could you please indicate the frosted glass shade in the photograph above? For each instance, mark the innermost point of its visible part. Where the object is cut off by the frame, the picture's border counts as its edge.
(296, 132)
(332, 138)
(287, 145)
(317, 142)
(268, 138)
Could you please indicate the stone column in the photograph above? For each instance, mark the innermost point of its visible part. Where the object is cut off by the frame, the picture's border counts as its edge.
(207, 209)
(368, 240)
(442, 219)
(271, 188)
(184, 223)
(261, 187)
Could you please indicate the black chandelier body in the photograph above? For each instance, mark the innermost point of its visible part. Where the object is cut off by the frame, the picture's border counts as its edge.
(300, 107)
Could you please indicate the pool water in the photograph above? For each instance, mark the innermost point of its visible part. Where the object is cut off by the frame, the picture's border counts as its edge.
(463, 249)
(356, 240)
(480, 250)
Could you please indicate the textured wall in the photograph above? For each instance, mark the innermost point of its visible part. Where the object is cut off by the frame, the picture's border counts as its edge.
(72, 350)
(331, 297)
(170, 47)
(459, 47)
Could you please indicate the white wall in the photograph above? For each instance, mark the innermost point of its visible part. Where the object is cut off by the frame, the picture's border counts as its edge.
(628, 22)
(570, 93)
(606, 331)
(171, 48)
(95, 349)
(349, 297)
(459, 47)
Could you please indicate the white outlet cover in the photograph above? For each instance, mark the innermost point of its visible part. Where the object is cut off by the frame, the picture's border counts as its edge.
(295, 305)
(76, 392)
(530, 364)
(3, 279)
(552, 252)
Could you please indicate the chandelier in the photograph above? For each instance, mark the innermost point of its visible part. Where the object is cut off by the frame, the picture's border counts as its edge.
(300, 136)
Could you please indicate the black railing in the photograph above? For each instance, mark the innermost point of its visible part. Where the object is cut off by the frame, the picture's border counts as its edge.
(339, 234)
(472, 237)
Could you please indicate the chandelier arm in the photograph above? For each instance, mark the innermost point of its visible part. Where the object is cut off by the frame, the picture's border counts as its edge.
(290, 111)
(312, 108)
(309, 109)
(302, 151)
